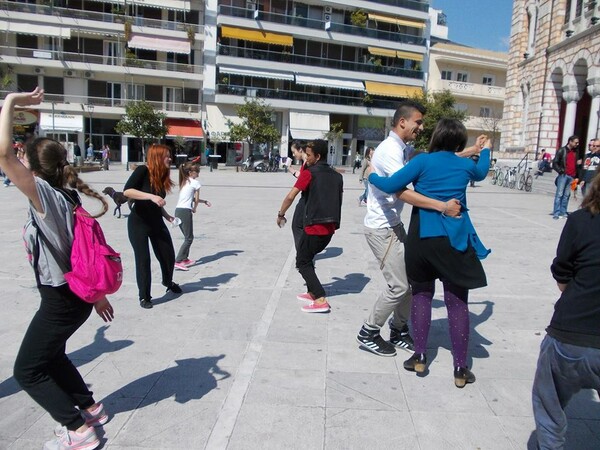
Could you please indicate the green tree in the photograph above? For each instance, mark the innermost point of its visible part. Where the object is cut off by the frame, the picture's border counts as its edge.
(5, 76)
(256, 126)
(439, 105)
(142, 121)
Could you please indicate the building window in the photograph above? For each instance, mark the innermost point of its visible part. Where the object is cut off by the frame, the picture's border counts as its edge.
(461, 107)
(446, 75)
(485, 111)
(135, 92)
(26, 83)
(578, 8)
(568, 11)
(173, 98)
(54, 85)
(462, 77)
(488, 80)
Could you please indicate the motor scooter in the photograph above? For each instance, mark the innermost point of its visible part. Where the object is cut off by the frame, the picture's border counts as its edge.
(254, 165)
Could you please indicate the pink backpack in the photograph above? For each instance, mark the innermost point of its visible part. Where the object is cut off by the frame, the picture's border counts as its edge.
(96, 269)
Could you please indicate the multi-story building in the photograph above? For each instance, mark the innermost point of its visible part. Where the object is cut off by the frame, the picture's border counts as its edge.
(475, 77)
(94, 57)
(553, 80)
(315, 64)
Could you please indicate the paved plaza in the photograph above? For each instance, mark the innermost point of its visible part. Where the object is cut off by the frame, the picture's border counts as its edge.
(234, 364)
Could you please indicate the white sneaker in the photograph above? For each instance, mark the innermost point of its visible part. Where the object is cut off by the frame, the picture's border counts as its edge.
(71, 440)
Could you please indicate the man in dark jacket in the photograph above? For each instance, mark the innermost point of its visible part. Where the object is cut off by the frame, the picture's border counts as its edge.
(565, 163)
(323, 188)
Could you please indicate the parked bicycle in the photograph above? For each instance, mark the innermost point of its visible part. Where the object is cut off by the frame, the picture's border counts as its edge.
(510, 178)
(525, 181)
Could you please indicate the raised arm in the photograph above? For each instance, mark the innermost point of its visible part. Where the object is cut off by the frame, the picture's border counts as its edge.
(20, 175)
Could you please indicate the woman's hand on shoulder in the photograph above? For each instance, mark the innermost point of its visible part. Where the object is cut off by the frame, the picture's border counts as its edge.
(104, 310)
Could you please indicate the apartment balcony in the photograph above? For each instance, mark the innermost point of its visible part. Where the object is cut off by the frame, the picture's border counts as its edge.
(415, 5)
(74, 16)
(289, 95)
(290, 58)
(461, 89)
(104, 105)
(96, 63)
(334, 27)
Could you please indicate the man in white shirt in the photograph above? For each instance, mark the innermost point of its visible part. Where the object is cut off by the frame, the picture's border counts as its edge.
(385, 234)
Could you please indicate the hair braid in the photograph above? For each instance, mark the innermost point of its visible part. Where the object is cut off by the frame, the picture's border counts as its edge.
(72, 179)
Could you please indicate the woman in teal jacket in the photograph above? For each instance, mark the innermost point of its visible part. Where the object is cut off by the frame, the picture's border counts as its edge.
(442, 247)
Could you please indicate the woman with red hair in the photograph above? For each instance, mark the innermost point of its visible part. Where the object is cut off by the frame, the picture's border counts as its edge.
(148, 186)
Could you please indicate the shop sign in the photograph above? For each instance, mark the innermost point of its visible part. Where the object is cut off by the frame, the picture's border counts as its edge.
(24, 118)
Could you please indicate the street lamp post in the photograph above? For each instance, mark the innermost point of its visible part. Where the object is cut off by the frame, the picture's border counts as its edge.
(90, 109)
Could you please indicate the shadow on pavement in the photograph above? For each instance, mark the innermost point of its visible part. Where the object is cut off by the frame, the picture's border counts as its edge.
(209, 283)
(353, 283)
(190, 379)
(330, 252)
(216, 256)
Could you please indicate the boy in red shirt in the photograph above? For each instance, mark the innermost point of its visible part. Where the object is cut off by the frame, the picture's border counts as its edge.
(322, 187)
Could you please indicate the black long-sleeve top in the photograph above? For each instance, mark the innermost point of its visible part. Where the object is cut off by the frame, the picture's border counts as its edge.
(576, 318)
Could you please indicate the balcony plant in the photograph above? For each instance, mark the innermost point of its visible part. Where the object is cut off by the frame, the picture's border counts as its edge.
(131, 59)
(191, 34)
(359, 18)
(127, 28)
(367, 99)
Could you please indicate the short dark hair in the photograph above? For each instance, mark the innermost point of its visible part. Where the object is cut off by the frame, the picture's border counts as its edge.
(572, 138)
(405, 110)
(449, 135)
(299, 144)
(319, 147)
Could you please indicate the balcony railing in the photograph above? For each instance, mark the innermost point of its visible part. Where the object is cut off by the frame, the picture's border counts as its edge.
(320, 25)
(415, 5)
(67, 99)
(290, 58)
(479, 90)
(279, 94)
(94, 15)
(101, 60)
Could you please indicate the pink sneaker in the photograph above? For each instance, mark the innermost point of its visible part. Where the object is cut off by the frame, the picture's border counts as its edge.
(306, 297)
(71, 440)
(96, 417)
(188, 262)
(181, 266)
(315, 307)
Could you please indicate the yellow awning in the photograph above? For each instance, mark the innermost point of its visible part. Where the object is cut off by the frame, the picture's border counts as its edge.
(408, 55)
(380, 18)
(411, 23)
(382, 52)
(257, 36)
(391, 90)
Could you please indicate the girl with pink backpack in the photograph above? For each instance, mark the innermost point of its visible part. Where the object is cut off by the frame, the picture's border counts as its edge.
(42, 368)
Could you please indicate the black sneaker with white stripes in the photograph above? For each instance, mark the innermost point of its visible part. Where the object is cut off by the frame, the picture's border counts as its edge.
(401, 338)
(372, 341)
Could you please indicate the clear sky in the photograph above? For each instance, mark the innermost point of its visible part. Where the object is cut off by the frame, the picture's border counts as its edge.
(478, 23)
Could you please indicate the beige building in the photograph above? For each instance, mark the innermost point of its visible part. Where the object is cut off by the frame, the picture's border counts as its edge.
(553, 79)
(476, 78)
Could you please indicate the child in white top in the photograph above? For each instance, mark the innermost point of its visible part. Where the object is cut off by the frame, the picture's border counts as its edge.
(189, 198)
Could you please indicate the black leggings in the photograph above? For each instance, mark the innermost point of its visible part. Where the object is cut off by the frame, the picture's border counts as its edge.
(43, 369)
(140, 231)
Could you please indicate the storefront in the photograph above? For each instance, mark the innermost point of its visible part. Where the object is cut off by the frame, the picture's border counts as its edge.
(62, 127)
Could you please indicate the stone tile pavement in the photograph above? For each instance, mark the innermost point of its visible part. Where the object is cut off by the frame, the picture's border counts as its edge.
(234, 364)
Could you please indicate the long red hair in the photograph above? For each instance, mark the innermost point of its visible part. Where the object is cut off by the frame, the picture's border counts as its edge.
(159, 173)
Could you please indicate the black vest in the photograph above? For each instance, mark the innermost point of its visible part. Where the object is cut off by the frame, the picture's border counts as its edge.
(324, 196)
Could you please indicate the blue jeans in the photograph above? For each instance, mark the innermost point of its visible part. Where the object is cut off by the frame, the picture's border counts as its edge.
(562, 371)
(563, 192)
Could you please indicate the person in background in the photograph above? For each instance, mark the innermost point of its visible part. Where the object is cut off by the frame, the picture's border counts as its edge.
(189, 198)
(591, 164)
(105, 157)
(42, 368)
(565, 163)
(362, 199)
(322, 216)
(90, 153)
(298, 148)
(357, 162)
(569, 357)
(148, 186)
(441, 247)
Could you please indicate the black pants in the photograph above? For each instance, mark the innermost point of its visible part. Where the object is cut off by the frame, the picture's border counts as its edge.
(140, 231)
(310, 246)
(42, 367)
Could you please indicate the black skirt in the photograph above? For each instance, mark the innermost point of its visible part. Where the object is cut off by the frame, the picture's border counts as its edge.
(434, 258)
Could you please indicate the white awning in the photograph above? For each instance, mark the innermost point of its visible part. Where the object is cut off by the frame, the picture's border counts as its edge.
(159, 44)
(37, 30)
(216, 123)
(65, 122)
(330, 82)
(308, 126)
(183, 5)
(256, 73)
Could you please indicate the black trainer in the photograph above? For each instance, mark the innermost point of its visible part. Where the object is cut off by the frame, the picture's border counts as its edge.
(401, 338)
(174, 288)
(371, 340)
(146, 303)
